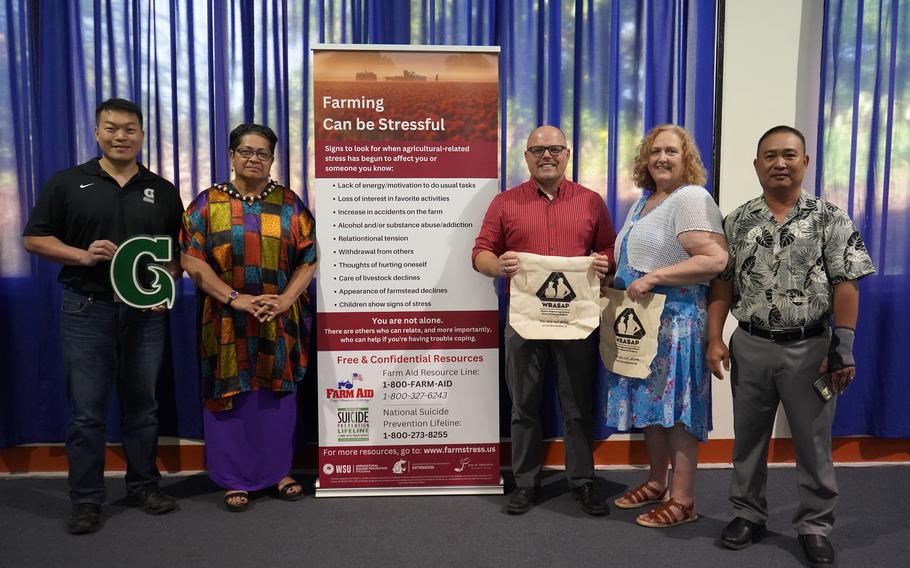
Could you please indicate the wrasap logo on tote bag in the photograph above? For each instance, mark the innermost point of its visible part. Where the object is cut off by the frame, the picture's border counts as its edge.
(554, 297)
(629, 332)
(556, 288)
(124, 277)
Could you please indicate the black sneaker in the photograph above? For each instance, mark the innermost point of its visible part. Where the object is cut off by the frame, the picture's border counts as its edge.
(591, 502)
(154, 501)
(85, 518)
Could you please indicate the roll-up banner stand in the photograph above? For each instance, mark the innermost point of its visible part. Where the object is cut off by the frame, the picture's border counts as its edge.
(406, 163)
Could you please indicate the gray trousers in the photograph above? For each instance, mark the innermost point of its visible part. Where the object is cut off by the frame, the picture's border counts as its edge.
(763, 374)
(526, 363)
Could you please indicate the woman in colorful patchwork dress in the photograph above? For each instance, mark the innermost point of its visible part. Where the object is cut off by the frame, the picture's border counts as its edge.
(249, 246)
(672, 243)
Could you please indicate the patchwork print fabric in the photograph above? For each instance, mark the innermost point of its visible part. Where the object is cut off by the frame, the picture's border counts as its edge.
(254, 247)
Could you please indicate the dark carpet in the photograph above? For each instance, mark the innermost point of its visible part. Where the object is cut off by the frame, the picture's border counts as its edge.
(464, 531)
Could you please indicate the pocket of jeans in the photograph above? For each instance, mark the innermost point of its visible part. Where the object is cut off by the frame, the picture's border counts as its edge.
(73, 304)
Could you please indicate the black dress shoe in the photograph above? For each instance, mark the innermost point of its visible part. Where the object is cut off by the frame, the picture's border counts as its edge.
(520, 500)
(85, 518)
(818, 549)
(740, 533)
(591, 502)
(154, 501)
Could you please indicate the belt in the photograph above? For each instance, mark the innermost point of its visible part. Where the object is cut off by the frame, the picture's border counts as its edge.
(100, 296)
(786, 334)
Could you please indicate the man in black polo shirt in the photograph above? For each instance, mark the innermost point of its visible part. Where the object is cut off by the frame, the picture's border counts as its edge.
(81, 216)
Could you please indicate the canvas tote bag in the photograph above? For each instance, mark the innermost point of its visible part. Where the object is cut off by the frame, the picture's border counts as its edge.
(554, 297)
(628, 332)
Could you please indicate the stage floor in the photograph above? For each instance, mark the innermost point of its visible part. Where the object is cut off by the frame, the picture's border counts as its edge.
(464, 531)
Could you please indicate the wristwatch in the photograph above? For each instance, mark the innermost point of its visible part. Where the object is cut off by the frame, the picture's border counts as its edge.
(232, 296)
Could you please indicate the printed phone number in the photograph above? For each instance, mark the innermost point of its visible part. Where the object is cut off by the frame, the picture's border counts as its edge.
(432, 435)
(432, 395)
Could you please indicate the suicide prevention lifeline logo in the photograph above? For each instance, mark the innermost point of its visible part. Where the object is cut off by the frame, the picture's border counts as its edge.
(353, 424)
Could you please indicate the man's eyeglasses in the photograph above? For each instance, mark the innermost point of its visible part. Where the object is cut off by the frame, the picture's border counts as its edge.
(553, 150)
(249, 153)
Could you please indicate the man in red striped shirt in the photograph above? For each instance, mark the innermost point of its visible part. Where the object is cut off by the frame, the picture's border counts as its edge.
(548, 215)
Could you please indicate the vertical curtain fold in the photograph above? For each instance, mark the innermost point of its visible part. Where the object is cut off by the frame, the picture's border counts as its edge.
(863, 165)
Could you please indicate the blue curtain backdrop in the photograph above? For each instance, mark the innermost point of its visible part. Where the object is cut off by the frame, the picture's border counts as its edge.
(864, 168)
(603, 70)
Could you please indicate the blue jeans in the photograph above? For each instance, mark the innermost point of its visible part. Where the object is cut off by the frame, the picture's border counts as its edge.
(106, 344)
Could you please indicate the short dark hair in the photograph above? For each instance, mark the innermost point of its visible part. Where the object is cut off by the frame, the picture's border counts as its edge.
(252, 128)
(121, 105)
(785, 129)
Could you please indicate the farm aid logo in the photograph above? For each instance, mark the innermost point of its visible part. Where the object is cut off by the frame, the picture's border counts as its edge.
(348, 389)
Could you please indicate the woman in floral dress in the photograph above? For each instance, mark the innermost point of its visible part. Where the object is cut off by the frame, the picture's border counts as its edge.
(672, 243)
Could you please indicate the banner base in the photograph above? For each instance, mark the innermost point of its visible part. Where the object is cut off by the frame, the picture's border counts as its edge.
(408, 491)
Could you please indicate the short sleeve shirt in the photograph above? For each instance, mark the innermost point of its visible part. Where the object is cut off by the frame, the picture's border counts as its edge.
(84, 204)
(783, 273)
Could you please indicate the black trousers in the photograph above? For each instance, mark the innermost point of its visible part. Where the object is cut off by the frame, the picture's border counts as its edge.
(526, 363)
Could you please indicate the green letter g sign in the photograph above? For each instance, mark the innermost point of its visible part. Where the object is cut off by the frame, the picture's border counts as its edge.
(123, 272)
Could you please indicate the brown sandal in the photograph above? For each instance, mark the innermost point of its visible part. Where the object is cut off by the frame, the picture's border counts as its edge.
(668, 515)
(642, 495)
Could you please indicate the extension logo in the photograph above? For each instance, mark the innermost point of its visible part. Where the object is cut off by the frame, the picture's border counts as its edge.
(401, 466)
(124, 277)
(556, 288)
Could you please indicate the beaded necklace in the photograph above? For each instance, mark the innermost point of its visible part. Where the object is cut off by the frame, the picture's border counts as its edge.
(229, 188)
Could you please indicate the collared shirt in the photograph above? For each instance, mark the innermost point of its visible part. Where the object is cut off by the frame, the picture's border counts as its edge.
(524, 219)
(84, 204)
(783, 273)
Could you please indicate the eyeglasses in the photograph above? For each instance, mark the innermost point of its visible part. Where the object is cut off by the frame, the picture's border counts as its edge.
(553, 150)
(249, 153)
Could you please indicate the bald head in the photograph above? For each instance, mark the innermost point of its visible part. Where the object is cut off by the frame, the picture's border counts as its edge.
(547, 157)
(546, 132)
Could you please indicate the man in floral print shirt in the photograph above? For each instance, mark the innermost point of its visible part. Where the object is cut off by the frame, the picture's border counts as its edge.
(794, 262)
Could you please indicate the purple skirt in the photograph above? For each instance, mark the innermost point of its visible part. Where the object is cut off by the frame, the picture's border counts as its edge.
(251, 446)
